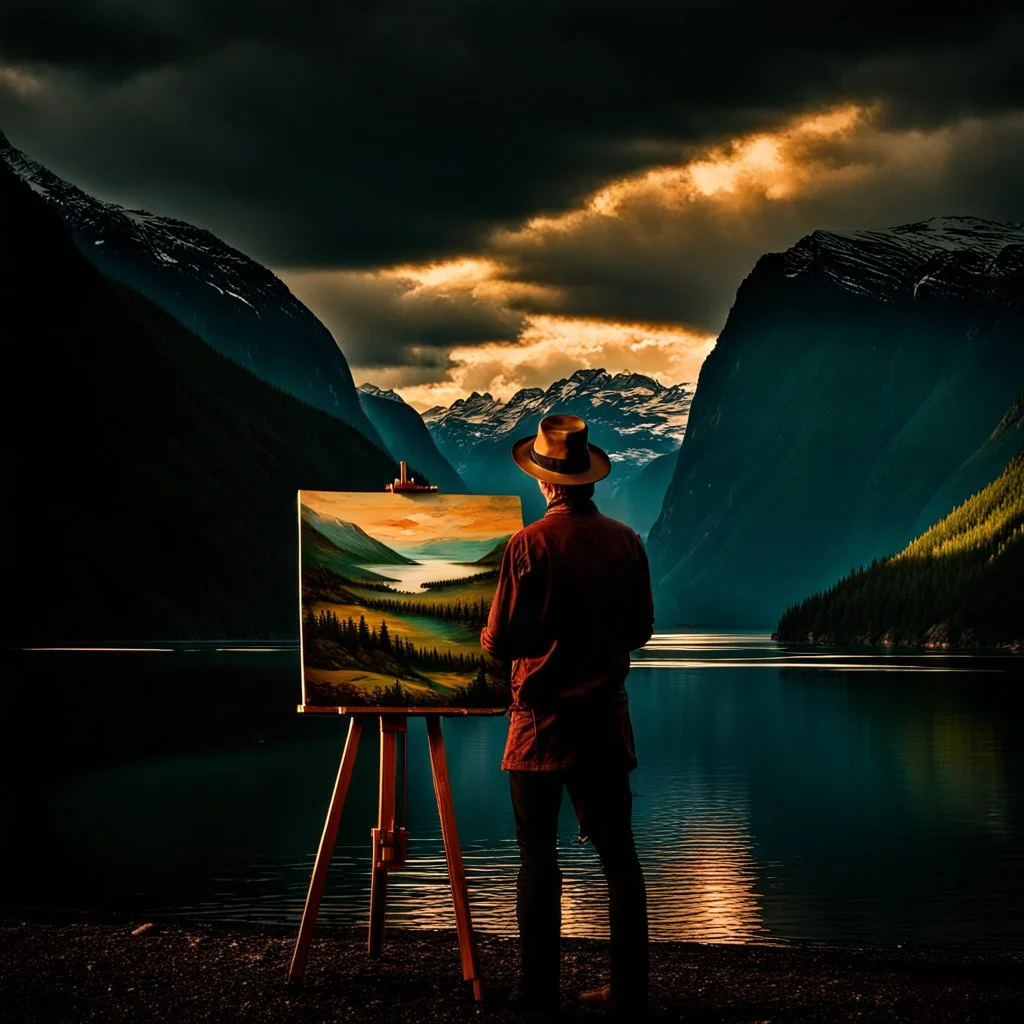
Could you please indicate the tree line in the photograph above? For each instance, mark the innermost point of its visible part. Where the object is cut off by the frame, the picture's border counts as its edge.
(490, 574)
(471, 612)
(352, 635)
(960, 582)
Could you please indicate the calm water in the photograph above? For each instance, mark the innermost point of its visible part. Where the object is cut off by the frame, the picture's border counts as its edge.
(412, 577)
(783, 794)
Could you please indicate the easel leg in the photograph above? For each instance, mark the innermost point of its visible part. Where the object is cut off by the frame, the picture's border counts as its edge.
(453, 855)
(390, 727)
(325, 851)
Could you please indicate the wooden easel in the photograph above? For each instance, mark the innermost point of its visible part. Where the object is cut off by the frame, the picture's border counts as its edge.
(389, 843)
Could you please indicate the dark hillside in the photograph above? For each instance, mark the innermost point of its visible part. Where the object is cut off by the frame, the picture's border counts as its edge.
(151, 481)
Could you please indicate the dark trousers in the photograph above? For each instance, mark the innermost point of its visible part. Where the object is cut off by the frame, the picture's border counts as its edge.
(603, 804)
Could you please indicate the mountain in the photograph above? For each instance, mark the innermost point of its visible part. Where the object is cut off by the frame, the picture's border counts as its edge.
(151, 480)
(961, 583)
(407, 437)
(232, 302)
(981, 466)
(892, 356)
(451, 549)
(353, 541)
(639, 502)
(495, 554)
(634, 418)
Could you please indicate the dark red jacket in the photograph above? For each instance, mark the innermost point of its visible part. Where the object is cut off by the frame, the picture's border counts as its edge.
(573, 599)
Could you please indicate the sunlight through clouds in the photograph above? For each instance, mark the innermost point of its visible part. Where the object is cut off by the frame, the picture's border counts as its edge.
(772, 164)
(640, 275)
(550, 347)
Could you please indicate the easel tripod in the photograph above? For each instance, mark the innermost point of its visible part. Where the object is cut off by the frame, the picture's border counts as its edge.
(390, 843)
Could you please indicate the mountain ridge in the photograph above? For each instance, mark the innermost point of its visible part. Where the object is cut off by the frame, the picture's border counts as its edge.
(407, 437)
(632, 416)
(183, 504)
(239, 307)
(888, 373)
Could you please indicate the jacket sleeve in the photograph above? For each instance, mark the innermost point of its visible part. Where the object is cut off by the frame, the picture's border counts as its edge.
(641, 625)
(515, 611)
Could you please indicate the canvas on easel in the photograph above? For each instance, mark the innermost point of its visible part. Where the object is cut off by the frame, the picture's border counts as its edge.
(395, 589)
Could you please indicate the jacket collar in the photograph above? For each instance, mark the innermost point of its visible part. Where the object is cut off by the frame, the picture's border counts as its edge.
(560, 506)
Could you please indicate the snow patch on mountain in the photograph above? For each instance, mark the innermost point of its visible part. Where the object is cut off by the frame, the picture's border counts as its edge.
(372, 389)
(637, 417)
(943, 255)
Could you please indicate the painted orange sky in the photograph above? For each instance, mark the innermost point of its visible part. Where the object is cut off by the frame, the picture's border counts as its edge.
(407, 520)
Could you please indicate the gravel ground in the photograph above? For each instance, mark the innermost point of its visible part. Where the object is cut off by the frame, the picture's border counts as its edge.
(111, 972)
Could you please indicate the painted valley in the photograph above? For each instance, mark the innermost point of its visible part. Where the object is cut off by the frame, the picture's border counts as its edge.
(394, 591)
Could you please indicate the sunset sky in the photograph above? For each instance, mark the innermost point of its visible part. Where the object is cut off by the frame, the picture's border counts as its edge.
(490, 194)
(407, 521)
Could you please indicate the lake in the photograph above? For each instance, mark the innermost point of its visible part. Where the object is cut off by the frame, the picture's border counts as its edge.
(784, 794)
(426, 570)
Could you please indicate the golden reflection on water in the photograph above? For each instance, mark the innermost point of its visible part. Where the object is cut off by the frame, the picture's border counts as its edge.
(706, 889)
(699, 866)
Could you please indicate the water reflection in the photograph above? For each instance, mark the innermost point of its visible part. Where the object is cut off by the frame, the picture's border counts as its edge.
(789, 794)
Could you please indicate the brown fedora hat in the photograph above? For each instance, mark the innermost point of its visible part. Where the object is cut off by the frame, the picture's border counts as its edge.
(560, 453)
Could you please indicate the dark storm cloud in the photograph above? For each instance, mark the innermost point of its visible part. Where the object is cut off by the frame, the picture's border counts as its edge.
(340, 134)
(379, 321)
(686, 268)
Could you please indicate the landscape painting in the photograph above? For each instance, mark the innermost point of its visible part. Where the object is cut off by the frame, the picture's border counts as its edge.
(395, 589)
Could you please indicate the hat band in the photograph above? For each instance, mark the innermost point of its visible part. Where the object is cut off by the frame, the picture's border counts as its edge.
(579, 463)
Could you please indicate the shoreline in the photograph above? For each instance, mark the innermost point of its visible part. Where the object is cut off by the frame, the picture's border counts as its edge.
(68, 968)
(1007, 647)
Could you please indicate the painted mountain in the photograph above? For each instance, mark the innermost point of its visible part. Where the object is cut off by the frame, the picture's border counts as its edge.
(634, 418)
(388, 619)
(344, 548)
(959, 583)
(407, 437)
(231, 301)
(151, 481)
(893, 357)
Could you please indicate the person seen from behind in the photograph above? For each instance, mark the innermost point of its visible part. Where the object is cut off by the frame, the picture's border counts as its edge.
(573, 598)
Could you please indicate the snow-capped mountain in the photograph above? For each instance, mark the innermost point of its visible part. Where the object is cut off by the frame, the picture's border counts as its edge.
(633, 417)
(637, 417)
(955, 256)
(892, 356)
(232, 302)
(372, 389)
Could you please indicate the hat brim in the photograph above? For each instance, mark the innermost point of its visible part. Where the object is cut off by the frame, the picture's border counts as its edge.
(600, 465)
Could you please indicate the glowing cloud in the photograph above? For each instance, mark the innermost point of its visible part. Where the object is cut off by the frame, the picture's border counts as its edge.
(550, 347)
(641, 274)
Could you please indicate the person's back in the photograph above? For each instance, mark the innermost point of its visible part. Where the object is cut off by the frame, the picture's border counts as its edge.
(573, 598)
(596, 605)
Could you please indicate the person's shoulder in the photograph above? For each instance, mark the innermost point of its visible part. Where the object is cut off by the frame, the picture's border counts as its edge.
(617, 526)
(524, 538)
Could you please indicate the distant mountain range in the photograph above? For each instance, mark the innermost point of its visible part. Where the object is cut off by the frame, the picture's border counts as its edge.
(960, 583)
(452, 549)
(633, 417)
(407, 437)
(152, 480)
(854, 396)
